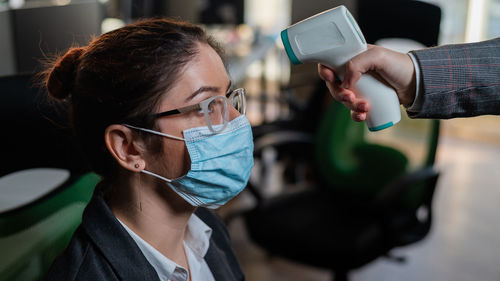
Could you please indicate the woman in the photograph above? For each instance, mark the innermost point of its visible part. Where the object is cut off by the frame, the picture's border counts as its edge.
(148, 104)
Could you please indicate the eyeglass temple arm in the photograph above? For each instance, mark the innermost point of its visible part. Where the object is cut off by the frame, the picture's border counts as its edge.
(178, 110)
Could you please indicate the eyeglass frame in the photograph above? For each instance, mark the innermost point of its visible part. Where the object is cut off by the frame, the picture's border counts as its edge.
(203, 106)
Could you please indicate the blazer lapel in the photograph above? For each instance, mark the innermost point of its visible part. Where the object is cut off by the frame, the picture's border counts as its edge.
(218, 263)
(115, 244)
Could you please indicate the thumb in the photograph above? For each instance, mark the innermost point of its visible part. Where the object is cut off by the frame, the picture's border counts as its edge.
(359, 65)
(351, 75)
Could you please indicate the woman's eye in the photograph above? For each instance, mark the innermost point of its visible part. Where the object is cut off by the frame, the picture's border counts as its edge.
(212, 106)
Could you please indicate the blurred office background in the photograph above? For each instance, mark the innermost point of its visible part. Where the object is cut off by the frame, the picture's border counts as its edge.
(438, 181)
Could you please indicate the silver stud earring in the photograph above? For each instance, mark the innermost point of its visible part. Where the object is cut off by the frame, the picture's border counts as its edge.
(136, 165)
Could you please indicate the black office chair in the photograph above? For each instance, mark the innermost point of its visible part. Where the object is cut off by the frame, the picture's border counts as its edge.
(336, 224)
(37, 142)
(301, 126)
(341, 227)
(411, 19)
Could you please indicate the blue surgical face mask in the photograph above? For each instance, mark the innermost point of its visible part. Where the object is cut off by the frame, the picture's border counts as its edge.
(220, 163)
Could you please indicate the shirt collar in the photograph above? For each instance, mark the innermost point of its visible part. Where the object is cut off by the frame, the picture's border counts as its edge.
(197, 238)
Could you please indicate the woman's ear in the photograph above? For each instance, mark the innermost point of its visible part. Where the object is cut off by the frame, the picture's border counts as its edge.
(126, 149)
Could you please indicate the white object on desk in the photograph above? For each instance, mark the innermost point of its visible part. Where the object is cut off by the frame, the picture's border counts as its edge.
(22, 187)
(401, 45)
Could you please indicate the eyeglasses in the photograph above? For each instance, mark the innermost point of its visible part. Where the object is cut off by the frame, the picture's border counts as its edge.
(214, 108)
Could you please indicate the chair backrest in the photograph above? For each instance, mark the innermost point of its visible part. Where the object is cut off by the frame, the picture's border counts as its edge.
(347, 162)
(344, 156)
(36, 135)
(28, 254)
(410, 19)
(77, 188)
(419, 22)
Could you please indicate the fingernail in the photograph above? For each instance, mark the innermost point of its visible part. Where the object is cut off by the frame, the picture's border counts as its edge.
(360, 117)
(357, 117)
(362, 107)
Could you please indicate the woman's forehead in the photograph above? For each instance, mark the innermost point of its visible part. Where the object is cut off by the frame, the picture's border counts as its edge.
(205, 70)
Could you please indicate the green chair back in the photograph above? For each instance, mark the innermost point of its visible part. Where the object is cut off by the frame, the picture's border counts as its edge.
(79, 189)
(31, 237)
(28, 254)
(346, 161)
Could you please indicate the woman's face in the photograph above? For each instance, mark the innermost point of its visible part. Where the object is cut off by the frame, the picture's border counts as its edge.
(203, 77)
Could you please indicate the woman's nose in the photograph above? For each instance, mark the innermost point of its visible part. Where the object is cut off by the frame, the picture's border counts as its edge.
(233, 113)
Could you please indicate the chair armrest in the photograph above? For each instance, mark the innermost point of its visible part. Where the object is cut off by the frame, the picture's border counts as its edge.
(396, 189)
(276, 139)
(282, 138)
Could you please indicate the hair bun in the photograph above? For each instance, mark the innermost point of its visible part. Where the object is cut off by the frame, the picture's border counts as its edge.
(61, 78)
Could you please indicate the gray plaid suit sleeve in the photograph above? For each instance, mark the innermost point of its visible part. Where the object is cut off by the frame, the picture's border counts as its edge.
(459, 80)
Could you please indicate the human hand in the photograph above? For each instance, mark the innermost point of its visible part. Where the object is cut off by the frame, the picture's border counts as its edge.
(395, 68)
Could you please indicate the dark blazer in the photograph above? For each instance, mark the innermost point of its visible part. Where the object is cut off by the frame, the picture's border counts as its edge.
(101, 249)
(460, 80)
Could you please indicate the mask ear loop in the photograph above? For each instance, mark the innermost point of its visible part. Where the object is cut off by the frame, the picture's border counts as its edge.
(155, 175)
(154, 132)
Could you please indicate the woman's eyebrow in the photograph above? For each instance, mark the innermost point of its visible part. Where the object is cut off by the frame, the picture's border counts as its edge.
(206, 89)
(202, 90)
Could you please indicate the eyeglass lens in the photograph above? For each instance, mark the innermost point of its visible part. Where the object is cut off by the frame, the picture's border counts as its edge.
(238, 101)
(218, 109)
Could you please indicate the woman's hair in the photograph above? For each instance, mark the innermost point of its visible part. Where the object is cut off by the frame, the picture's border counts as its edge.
(119, 78)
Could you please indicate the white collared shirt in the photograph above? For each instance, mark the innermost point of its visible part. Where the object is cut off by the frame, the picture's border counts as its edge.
(416, 106)
(196, 243)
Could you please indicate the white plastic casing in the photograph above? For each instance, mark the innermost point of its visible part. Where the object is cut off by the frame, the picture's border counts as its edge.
(332, 38)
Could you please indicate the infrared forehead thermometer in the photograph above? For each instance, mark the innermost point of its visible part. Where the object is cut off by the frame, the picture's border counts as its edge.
(332, 38)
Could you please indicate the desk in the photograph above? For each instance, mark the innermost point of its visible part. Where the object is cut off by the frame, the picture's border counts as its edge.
(20, 188)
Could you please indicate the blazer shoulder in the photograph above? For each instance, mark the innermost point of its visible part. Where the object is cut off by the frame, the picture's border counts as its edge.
(80, 261)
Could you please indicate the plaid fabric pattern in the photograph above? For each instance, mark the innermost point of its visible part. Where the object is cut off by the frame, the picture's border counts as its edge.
(460, 80)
